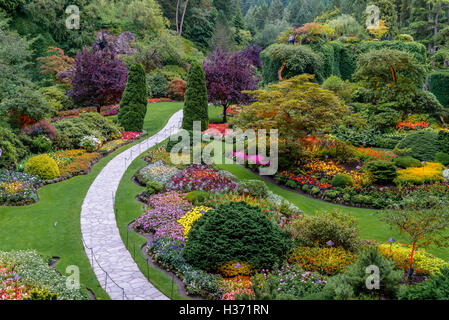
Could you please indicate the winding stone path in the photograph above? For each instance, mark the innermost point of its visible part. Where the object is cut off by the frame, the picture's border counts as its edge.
(113, 265)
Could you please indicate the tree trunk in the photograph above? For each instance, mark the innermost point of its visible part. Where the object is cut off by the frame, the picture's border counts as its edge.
(183, 15)
(411, 259)
(177, 13)
(225, 108)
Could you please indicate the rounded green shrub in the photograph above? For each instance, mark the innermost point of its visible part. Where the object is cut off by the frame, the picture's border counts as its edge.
(442, 158)
(342, 180)
(382, 171)
(197, 197)
(407, 162)
(235, 231)
(443, 141)
(42, 166)
(424, 144)
(404, 37)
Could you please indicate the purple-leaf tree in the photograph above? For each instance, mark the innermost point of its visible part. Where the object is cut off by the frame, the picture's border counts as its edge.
(98, 78)
(252, 53)
(227, 75)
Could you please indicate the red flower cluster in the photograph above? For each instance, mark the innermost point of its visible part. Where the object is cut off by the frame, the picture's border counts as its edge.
(159, 100)
(373, 154)
(217, 128)
(412, 125)
(307, 179)
(130, 135)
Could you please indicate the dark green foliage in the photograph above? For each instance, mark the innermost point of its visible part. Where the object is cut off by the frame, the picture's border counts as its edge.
(154, 187)
(196, 100)
(157, 85)
(435, 288)
(342, 180)
(71, 131)
(235, 231)
(439, 86)
(41, 144)
(10, 5)
(383, 171)
(133, 106)
(443, 141)
(442, 158)
(407, 162)
(13, 149)
(171, 144)
(424, 144)
(353, 283)
(197, 197)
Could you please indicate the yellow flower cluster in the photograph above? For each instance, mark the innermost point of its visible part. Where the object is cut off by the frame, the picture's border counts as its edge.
(429, 173)
(189, 219)
(331, 169)
(424, 263)
(13, 187)
(234, 269)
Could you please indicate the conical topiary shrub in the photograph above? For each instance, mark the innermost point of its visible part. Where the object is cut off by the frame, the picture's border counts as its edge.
(133, 106)
(195, 99)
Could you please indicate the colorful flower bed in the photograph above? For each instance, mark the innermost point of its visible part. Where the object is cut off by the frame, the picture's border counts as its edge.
(17, 188)
(370, 154)
(201, 177)
(130, 135)
(25, 272)
(155, 100)
(156, 171)
(424, 263)
(81, 164)
(329, 169)
(218, 130)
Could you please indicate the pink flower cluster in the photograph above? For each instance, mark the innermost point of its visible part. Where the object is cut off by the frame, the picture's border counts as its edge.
(10, 287)
(161, 218)
(202, 177)
(259, 160)
(130, 135)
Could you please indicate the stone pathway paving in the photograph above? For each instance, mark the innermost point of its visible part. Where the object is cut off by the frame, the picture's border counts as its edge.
(113, 265)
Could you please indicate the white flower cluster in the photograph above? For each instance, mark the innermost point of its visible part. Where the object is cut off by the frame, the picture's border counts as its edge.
(90, 143)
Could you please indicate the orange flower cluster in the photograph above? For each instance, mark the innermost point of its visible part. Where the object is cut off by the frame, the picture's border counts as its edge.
(373, 154)
(327, 261)
(412, 125)
(80, 165)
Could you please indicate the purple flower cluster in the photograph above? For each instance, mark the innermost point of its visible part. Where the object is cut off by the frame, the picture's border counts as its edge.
(161, 218)
(203, 178)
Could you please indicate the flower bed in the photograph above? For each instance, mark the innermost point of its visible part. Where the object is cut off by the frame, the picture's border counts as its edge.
(156, 171)
(371, 154)
(17, 188)
(80, 165)
(22, 272)
(424, 263)
(201, 177)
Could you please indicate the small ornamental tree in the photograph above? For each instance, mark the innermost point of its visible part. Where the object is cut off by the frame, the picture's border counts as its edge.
(425, 222)
(55, 64)
(133, 106)
(195, 99)
(226, 77)
(98, 78)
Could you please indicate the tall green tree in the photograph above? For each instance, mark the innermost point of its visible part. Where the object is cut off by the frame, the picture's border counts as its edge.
(195, 99)
(133, 106)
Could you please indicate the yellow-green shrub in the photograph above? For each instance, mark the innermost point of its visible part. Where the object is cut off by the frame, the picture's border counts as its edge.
(328, 261)
(424, 263)
(42, 166)
(430, 173)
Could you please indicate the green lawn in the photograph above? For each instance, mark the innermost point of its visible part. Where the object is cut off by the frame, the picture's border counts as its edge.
(33, 227)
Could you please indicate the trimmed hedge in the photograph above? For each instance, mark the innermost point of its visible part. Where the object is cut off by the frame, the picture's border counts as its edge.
(439, 86)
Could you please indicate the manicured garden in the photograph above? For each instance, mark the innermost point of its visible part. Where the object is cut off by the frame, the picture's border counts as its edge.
(326, 123)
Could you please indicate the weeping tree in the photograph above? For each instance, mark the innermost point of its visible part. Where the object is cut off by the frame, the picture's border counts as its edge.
(195, 99)
(133, 106)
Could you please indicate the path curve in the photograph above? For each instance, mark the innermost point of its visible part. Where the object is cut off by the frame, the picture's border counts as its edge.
(100, 233)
